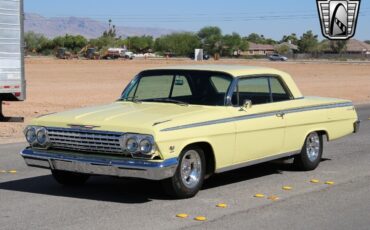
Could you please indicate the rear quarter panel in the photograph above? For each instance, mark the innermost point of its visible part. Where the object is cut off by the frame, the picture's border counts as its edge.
(336, 122)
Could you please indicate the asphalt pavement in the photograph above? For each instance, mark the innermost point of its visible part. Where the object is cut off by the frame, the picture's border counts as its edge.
(30, 199)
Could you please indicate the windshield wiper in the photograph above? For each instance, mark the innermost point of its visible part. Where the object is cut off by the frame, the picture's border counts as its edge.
(168, 100)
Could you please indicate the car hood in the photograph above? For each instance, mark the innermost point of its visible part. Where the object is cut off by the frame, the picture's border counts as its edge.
(131, 117)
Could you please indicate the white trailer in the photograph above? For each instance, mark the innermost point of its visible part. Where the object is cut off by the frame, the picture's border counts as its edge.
(12, 75)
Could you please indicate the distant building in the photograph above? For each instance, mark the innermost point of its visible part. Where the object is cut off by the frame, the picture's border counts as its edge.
(357, 47)
(353, 46)
(259, 49)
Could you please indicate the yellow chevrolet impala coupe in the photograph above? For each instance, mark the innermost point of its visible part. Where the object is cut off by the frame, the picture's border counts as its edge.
(179, 125)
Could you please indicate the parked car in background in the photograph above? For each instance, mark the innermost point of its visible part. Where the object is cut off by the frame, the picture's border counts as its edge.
(180, 125)
(277, 57)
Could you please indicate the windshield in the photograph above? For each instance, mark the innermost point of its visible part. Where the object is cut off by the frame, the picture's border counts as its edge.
(180, 87)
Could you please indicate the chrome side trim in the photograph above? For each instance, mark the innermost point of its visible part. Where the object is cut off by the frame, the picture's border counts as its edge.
(100, 166)
(255, 162)
(259, 115)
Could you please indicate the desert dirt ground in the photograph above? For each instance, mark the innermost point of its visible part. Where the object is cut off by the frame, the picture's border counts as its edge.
(57, 85)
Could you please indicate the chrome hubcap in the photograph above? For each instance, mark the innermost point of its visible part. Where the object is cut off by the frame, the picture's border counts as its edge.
(191, 168)
(313, 146)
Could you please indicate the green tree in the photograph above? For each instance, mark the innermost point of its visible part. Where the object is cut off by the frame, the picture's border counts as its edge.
(256, 38)
(180, 44)
(292, 38)
(323, 46)
(140, 44)
(260, 39)
(338, 46)
(282, 49)
(36, 42)
(308, 42)
(211, 39)
(233, 42)
(71, 42)
(103, 42)
(111, 32)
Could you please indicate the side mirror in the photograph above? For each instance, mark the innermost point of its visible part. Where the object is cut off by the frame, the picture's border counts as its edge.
(247, 104)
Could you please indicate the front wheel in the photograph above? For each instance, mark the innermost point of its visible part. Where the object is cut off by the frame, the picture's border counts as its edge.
(69, 178)
(189, 176)
(311, 153)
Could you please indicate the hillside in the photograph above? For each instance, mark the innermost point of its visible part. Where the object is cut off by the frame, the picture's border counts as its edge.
(52, 27)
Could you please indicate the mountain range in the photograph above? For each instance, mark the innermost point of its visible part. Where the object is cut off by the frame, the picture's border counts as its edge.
(87, 27)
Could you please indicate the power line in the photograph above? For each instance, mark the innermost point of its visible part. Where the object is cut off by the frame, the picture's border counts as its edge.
(197, 19)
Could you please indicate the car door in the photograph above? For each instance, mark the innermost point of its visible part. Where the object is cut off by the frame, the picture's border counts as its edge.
(260, 128)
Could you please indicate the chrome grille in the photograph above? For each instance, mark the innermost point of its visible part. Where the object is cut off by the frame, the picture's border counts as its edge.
(85, 140)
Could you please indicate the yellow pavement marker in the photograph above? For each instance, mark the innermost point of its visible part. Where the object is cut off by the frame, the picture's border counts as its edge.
(259, 195)
(12, 171)
(200, 218)
(273, 198)
(329, 182)
(315, 181)
(287, 188)
(182, 215)
(221, 205)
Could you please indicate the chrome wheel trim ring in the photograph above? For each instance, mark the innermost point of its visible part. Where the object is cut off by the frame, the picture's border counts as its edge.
(313, 147)
(191, 169)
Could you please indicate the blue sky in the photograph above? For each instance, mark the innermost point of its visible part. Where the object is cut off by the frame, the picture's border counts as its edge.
(272, 18)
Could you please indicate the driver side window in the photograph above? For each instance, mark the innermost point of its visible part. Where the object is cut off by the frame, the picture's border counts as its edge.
(255, 89)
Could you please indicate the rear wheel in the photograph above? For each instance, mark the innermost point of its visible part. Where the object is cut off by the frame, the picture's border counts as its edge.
(69, 178)
(311, 153)
(189, 176)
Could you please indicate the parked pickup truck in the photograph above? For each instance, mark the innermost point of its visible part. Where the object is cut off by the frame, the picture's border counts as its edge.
(180, 125)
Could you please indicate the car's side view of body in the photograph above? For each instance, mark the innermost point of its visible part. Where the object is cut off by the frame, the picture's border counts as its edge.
(182, 124)
(277, 57)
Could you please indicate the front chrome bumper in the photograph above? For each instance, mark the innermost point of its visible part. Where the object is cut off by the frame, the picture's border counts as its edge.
(100, 166)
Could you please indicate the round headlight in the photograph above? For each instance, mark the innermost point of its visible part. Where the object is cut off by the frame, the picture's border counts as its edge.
(42, 136)
(145, 146)
(132, 145)
(31, 135)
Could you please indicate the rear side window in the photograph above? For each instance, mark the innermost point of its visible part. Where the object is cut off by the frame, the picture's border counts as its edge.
(254, 85)
(279, 93)
(260, 90)
(255, 89)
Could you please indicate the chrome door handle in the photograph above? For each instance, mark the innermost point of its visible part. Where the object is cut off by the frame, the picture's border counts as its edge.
(280, 114)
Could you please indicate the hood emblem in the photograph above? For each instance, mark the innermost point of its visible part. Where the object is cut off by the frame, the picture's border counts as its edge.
(86, 127)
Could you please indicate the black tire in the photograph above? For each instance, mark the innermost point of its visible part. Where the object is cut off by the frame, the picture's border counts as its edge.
(175, 186)
(69, 178)
(306, 161)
